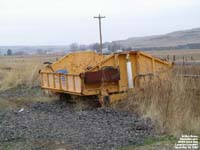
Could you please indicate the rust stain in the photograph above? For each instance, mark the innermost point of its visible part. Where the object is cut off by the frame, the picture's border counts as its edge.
(107, 75)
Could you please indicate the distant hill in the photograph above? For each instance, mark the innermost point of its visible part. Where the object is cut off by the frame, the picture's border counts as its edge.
(176, 40)
(186, 39)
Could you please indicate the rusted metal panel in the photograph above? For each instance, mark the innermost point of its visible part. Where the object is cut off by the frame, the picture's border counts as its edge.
(107, 75)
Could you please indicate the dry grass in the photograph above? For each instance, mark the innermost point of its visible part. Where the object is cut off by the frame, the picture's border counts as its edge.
(174, 105)
(179, 54)
(18, 77)
(21, 70)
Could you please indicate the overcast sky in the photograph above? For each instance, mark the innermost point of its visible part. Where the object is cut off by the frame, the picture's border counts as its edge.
(61, 22)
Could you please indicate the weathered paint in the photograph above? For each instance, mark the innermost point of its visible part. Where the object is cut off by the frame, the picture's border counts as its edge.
(106, 75)
(88, 76)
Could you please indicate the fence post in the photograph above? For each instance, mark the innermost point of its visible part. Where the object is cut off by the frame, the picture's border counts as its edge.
(174, 58)
(192, 59)
(168, 57)
(183, 60)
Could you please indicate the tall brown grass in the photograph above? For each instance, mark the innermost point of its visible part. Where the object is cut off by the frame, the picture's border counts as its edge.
(179, 54)
(21, 70)
(173, 105)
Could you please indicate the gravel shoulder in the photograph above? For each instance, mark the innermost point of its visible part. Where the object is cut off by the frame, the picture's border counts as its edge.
(59, 125)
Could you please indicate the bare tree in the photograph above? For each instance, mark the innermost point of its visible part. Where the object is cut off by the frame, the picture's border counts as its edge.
(9, 52)
(74, 47)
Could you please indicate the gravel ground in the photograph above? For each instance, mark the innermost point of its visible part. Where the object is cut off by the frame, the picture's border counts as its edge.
(58, 125)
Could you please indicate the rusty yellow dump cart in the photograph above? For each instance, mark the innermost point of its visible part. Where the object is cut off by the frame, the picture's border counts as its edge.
(108, 77)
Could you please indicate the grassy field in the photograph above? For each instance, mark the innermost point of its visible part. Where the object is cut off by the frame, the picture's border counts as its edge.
(18, 70)
(19, 78)
(189, 55)
(21, 70)
(173, 105)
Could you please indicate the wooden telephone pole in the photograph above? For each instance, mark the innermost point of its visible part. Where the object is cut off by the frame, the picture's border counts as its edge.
(100, 34)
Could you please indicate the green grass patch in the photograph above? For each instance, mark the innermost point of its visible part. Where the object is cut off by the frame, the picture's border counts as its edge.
(152, 143)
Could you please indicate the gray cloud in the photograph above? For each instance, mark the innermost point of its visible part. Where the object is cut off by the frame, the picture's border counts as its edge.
(33, 22)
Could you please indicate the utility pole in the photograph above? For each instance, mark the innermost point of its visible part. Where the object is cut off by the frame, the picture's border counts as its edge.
(100, 34)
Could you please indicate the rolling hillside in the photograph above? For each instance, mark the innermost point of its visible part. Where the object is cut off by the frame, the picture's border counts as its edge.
(178, 40)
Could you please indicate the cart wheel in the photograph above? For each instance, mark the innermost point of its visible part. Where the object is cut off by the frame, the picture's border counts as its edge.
(64, 97)
(104, 101)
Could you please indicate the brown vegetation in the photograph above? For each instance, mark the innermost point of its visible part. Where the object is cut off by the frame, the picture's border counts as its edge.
(189, 55)
(173, 105)
(22, 70)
